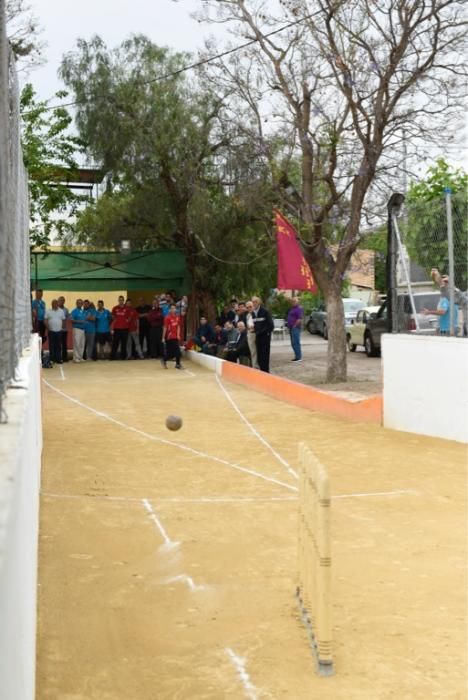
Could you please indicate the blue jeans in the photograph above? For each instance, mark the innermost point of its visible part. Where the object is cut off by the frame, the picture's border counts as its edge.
(295, 334)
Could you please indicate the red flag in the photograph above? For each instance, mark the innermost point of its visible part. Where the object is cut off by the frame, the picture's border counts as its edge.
(293, 269)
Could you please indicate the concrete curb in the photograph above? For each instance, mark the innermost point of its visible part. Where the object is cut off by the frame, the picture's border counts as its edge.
(367, 410)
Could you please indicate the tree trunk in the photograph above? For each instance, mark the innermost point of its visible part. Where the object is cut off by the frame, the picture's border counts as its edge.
(207, 305)
(336, 351)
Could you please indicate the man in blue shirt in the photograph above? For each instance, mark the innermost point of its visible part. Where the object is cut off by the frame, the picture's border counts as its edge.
(78, 319)
(443, 312)
(38, 307)
(90, 330)
(103, 326)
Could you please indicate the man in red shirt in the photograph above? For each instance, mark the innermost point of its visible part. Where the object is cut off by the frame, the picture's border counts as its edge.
(133, 332)
(120, 318)
(172, 338)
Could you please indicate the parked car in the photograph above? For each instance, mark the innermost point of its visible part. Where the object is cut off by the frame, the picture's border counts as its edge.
(355, 332)
(377, 324)
(317, 321)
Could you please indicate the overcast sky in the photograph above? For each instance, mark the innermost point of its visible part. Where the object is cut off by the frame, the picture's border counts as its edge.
(165, 22)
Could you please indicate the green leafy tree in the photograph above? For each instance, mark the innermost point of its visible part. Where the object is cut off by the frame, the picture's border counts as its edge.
(426, 235)
(163, 140)
(49, 152)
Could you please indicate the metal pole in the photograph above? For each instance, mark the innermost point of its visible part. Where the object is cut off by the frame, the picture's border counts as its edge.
(448, 204)
(406, 271)
(393, 207)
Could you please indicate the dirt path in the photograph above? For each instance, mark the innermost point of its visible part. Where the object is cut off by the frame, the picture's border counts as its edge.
(168, 560)
(364, 373)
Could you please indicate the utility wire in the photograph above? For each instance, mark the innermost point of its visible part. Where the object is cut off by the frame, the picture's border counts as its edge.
(230, 262)
(203, 61)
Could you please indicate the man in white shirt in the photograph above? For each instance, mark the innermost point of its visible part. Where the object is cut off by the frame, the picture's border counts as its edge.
(54, 319)
(61, 304)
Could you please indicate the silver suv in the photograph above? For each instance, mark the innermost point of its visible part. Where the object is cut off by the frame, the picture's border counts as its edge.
(377, 324)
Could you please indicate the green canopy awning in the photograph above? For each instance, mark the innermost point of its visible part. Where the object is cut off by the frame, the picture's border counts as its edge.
(101, 271)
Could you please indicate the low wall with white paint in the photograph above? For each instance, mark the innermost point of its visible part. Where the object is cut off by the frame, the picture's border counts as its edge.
(208, 361)
(20, 455)
(425, 385)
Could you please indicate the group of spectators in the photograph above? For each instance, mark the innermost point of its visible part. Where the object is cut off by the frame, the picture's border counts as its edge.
(124, 332)
(242, 333)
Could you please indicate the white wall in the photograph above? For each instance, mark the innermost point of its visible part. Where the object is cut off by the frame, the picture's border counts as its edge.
(20, 454)
(425, 385)
(212, 363)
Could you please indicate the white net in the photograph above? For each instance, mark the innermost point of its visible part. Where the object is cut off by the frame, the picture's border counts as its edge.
(15, 303)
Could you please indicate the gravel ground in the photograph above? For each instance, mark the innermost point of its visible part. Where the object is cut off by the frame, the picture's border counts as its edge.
(364, 373)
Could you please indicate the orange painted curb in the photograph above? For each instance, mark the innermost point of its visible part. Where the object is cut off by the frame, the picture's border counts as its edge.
(368, 410)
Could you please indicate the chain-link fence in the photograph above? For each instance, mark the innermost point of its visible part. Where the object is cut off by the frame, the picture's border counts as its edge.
(15, 304)
(430, 265)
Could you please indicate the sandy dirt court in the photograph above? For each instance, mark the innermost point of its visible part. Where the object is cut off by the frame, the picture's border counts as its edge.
(168, 560)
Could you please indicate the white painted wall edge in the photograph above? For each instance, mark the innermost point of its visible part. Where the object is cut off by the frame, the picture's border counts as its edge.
(20, 455)
(425, 385)
(214, 364)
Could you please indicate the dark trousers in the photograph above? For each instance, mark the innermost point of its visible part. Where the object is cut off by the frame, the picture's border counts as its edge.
(156, 348)
(144, 334)
(55, 346)
(64, 344)
(119, 339)
(40, 328)
(172, 350)
(263, 351)
(90, 346)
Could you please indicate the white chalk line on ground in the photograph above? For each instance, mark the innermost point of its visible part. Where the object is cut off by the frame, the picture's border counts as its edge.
(167, 546)
(163, 441)
(400, 492)
(62, 373)
(157, 522)
(255, 431)
(239, 664)
(200, 499)
(185, 579)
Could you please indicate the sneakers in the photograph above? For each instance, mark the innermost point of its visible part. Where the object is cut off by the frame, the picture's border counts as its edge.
(296, 359)
(179, 366)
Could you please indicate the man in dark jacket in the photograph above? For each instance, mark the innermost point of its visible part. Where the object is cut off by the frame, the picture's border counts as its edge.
(240, 347)
(156, 323)
(144, 326)
(204, 335)
(216, 348)
(264, 325)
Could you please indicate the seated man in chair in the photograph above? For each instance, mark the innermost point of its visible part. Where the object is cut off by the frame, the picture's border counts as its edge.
(238, 349)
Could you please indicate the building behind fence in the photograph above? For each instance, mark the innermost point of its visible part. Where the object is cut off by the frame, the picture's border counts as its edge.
(15, 300)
